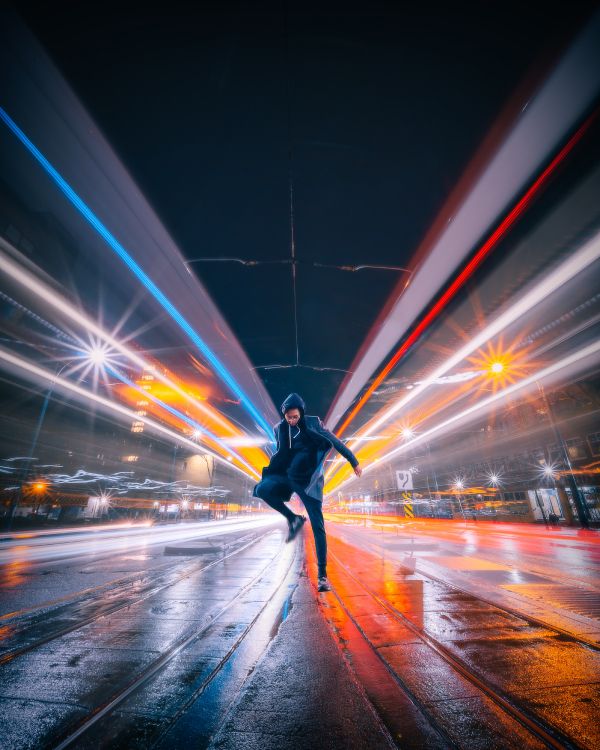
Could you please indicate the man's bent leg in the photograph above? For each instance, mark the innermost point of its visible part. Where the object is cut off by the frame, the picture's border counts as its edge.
(315, 512)
(275, 491)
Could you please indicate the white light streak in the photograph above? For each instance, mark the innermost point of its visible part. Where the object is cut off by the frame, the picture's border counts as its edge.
(58, 303)
(110, 345)
(40, 372)
(472, 411)
(551, 114)
(577, 263)
(246, 441)
(113, 538)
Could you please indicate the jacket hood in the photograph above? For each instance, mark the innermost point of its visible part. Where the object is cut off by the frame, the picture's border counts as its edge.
(293, 401)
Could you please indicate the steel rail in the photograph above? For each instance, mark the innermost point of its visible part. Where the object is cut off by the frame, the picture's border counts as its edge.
(201, 568)
(100, 711)
(531, 619)
(550, 736)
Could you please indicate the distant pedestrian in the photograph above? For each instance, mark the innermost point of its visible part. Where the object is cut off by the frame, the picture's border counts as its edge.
(297, 467)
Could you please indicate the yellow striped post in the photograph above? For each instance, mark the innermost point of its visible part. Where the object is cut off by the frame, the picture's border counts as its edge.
(408, 508)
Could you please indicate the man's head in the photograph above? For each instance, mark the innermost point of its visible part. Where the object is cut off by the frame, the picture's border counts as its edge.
(292, 416)
(293, 409)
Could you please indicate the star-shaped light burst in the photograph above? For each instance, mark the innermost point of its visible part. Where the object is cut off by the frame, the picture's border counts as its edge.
(407, 432)
(549, 471)
(494, 478)
(500, 366)
(94, 357)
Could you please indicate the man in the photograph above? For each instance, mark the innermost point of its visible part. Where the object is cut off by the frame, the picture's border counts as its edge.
(297, 466)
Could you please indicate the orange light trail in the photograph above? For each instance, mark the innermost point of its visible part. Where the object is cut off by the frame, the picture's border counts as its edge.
(174, 392)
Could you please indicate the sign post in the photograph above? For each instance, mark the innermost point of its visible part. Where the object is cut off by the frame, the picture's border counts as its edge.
(405, 484)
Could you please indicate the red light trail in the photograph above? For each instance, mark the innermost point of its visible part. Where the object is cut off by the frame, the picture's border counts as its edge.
(468, 270)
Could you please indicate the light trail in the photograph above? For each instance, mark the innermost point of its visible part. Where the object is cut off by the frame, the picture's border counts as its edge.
(474, 410)
(136, 269)
(51, 297)
(201, 431)
(540, 129)
(122, 483)
(465, 274)
(568, 270)
(111, 406)
(118, 539)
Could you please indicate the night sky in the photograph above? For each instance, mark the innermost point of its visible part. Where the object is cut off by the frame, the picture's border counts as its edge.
(380, 108)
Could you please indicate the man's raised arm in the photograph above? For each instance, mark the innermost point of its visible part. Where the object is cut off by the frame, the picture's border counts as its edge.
(341, 448)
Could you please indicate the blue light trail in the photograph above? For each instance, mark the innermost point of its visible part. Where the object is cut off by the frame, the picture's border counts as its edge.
(161, 298)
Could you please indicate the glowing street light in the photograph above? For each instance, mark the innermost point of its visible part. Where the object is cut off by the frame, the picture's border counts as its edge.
(497, 367)
(97, 356)
(40, 486)
(493, 479)
(459, 484)
(407, 433)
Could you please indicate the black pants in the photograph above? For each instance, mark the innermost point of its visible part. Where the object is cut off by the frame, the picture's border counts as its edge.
(276, 491)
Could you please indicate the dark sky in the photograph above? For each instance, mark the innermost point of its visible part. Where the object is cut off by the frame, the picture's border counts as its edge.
(386, 106)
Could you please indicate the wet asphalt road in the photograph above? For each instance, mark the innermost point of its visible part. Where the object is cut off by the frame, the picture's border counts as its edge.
(492, 630)
(435, 635)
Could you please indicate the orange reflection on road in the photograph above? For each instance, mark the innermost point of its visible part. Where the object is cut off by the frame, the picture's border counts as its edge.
(15, 573)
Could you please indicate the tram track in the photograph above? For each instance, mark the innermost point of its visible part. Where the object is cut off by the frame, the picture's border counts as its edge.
(101, 588)
(77, 732)
(548, 735)
(530, 619)
(120, 600)
(503, 607)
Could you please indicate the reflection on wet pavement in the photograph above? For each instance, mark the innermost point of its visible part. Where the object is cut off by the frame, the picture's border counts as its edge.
(472, 664)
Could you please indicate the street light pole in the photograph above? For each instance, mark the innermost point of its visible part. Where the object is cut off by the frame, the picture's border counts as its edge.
(541, 507)
(576, 494)
(34, 441)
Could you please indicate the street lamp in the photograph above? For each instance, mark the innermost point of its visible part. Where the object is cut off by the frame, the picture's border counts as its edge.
(577, 499)
(408, 433)
(34, 441)
(97, 355)
(460, 485)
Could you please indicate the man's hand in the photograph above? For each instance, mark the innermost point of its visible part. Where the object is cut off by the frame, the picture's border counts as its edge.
(358, 470)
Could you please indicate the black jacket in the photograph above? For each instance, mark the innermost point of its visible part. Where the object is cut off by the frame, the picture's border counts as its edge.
(323, 439)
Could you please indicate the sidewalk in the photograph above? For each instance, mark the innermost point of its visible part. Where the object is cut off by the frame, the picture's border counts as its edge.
(302, 694)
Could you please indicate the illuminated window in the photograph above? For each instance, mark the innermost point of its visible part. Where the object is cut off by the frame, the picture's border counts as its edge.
(137, 427)
(554, 453)
(130, 459)
(142, 403)
(576, 448)
(141, 413)
(594, 443)
(147, 377)
(147, 387)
